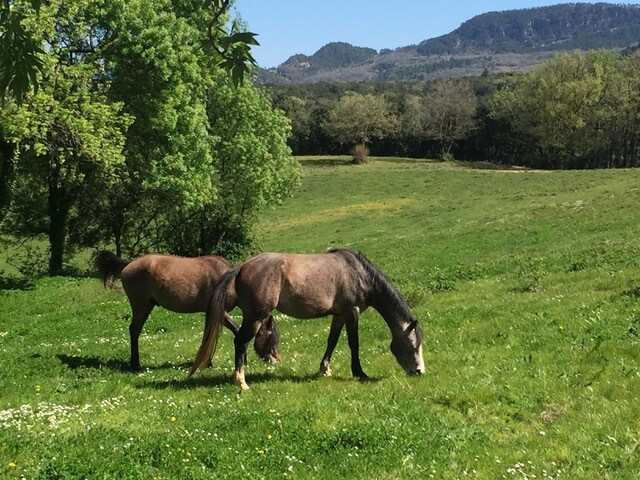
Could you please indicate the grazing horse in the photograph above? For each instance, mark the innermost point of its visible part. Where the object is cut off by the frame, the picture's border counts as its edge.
(341, 283)
(179, 284)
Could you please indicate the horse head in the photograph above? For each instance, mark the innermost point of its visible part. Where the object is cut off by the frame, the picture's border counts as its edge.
(267, 340)
(406, 345)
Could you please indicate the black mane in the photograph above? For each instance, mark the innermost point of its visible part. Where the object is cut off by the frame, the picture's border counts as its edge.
(382, 290)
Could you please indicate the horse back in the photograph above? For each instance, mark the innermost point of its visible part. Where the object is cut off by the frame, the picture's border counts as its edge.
(301, 285)
(179, 284)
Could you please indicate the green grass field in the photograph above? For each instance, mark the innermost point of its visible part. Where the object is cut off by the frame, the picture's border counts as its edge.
(527, 287)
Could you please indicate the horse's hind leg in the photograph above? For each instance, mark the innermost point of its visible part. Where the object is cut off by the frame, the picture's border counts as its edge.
(334, 334)
(140, 311)
(248, 330)
(351, 321)
(230, 324)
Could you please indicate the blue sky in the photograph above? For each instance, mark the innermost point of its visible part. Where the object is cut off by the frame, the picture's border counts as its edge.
(287, 27)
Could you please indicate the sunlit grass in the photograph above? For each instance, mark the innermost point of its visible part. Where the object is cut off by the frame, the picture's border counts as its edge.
(527, 288)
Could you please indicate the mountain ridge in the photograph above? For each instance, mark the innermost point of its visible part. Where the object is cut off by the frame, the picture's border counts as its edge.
(506, 41)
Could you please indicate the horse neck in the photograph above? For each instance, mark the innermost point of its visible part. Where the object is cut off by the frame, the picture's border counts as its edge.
(390, 305)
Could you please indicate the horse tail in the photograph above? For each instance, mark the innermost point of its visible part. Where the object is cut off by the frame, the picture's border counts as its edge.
(222, 299)
(109, 266)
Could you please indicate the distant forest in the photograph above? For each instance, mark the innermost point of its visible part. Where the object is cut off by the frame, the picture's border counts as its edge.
(579, 110)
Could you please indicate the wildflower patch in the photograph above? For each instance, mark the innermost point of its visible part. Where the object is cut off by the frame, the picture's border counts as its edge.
(44, 416)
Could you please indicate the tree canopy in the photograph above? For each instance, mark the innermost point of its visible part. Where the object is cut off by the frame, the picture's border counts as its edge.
(127, 137)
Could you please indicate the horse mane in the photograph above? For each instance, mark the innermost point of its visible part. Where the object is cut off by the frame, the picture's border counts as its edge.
(381, 287)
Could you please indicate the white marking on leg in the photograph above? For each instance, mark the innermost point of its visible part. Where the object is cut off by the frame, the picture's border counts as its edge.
(420, 361)
(325, 370)
(239, 381)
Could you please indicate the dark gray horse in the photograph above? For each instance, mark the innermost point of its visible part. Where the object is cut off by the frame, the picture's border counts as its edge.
(342, 283)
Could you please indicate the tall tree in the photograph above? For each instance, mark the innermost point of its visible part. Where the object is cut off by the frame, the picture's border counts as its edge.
(449, 113)
(118, 142)
(253, 169)
(159, 64)
(566, 107)
(165, 71)
(69, 135)
(358, 119)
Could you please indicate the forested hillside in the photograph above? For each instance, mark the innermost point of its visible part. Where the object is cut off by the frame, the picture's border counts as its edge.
(559, 27)
(494, 42)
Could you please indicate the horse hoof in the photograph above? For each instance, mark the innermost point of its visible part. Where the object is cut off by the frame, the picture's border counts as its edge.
(239, 381)
(325, 372)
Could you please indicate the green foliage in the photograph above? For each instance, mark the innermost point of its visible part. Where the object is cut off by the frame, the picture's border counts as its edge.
(253, 170)
(162, 78)
(449, 113)
(20, 53)
(577, 109)
(70, 136)
(358, 119)
(126, 138)
(21, 49)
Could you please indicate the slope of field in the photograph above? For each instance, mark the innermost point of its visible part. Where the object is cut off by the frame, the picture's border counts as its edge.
(527, 286)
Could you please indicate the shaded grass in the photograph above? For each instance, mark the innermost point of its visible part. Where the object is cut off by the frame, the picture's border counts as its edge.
(526, 284)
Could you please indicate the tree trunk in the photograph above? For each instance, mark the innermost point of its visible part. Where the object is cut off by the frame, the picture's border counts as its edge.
(116, 228)
(59, 206)
(633, 148)
(117, 237)
(7, 150)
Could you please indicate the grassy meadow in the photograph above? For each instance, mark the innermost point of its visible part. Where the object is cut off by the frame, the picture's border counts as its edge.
(527, 287)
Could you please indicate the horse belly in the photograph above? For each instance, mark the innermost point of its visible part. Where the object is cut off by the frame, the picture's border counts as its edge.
(308, 304)
(181, 299)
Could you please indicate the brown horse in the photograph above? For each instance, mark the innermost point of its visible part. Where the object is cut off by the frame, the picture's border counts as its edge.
(179, 284)
(341, 283)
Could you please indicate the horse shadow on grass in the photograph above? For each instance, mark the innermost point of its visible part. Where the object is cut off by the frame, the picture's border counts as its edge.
(251, 378)
(74, 362)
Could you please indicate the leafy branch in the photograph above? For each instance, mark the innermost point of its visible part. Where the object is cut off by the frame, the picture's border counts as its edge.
(21, 54)
(233, 46)
(20, 60)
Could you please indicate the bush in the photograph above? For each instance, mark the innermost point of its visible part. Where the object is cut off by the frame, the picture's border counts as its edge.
(360, 153)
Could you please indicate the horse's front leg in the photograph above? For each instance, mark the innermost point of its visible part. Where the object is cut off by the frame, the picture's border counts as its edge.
(334, 334)
(351, 321)
(247, 331)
